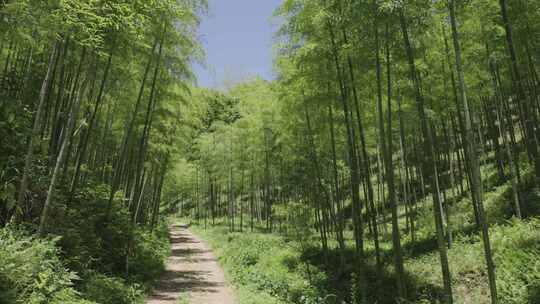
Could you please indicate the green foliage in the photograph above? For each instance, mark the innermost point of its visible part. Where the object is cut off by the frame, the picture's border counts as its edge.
(518, 260)
(149, 254)
(265, 268)
(36, 270)
(183, 299)
(110, 290)
(261, 143)
(81, 63)
(516, 253)
(89, 244)
(355, 297)
(32, 271)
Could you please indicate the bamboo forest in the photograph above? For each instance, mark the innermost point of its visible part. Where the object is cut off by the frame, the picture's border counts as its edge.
(392, 157)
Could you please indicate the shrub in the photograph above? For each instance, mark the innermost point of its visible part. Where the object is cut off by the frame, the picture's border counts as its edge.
(31, 271)
(88, 243)
(109, 290)
(34, 270)
(150, 251)
(265, 268)
(516, 251)
(517, 256)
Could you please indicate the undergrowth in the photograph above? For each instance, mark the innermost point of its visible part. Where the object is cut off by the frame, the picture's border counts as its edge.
(265, 268)
(272, 268)
(82, 261)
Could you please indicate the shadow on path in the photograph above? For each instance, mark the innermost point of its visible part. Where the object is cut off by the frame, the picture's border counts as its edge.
(193, 272)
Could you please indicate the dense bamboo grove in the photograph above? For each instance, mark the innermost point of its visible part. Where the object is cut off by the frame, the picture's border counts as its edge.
(381, 111)
(397, 151)
(95, 81)
(90, 94)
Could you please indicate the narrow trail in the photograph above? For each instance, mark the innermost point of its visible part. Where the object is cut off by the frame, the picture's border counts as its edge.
(193, 272)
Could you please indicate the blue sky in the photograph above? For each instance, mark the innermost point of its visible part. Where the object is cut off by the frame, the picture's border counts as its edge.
(237, 36)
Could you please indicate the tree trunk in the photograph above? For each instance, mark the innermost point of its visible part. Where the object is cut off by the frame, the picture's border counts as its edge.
(37, 123)
(476, 181)
(530, 139)
(386, 147)
(428, 163)
(86, 136)
(61, 157)
(118, 172)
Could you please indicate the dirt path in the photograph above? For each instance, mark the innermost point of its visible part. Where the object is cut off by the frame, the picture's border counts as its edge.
(192, 271)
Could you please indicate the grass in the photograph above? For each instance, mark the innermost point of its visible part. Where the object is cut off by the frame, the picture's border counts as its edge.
(183, 299)
(264, 268)
(516, 246)
(282, 268)
(269, 269)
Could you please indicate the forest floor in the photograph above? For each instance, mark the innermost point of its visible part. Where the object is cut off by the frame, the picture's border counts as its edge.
(193, 274)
